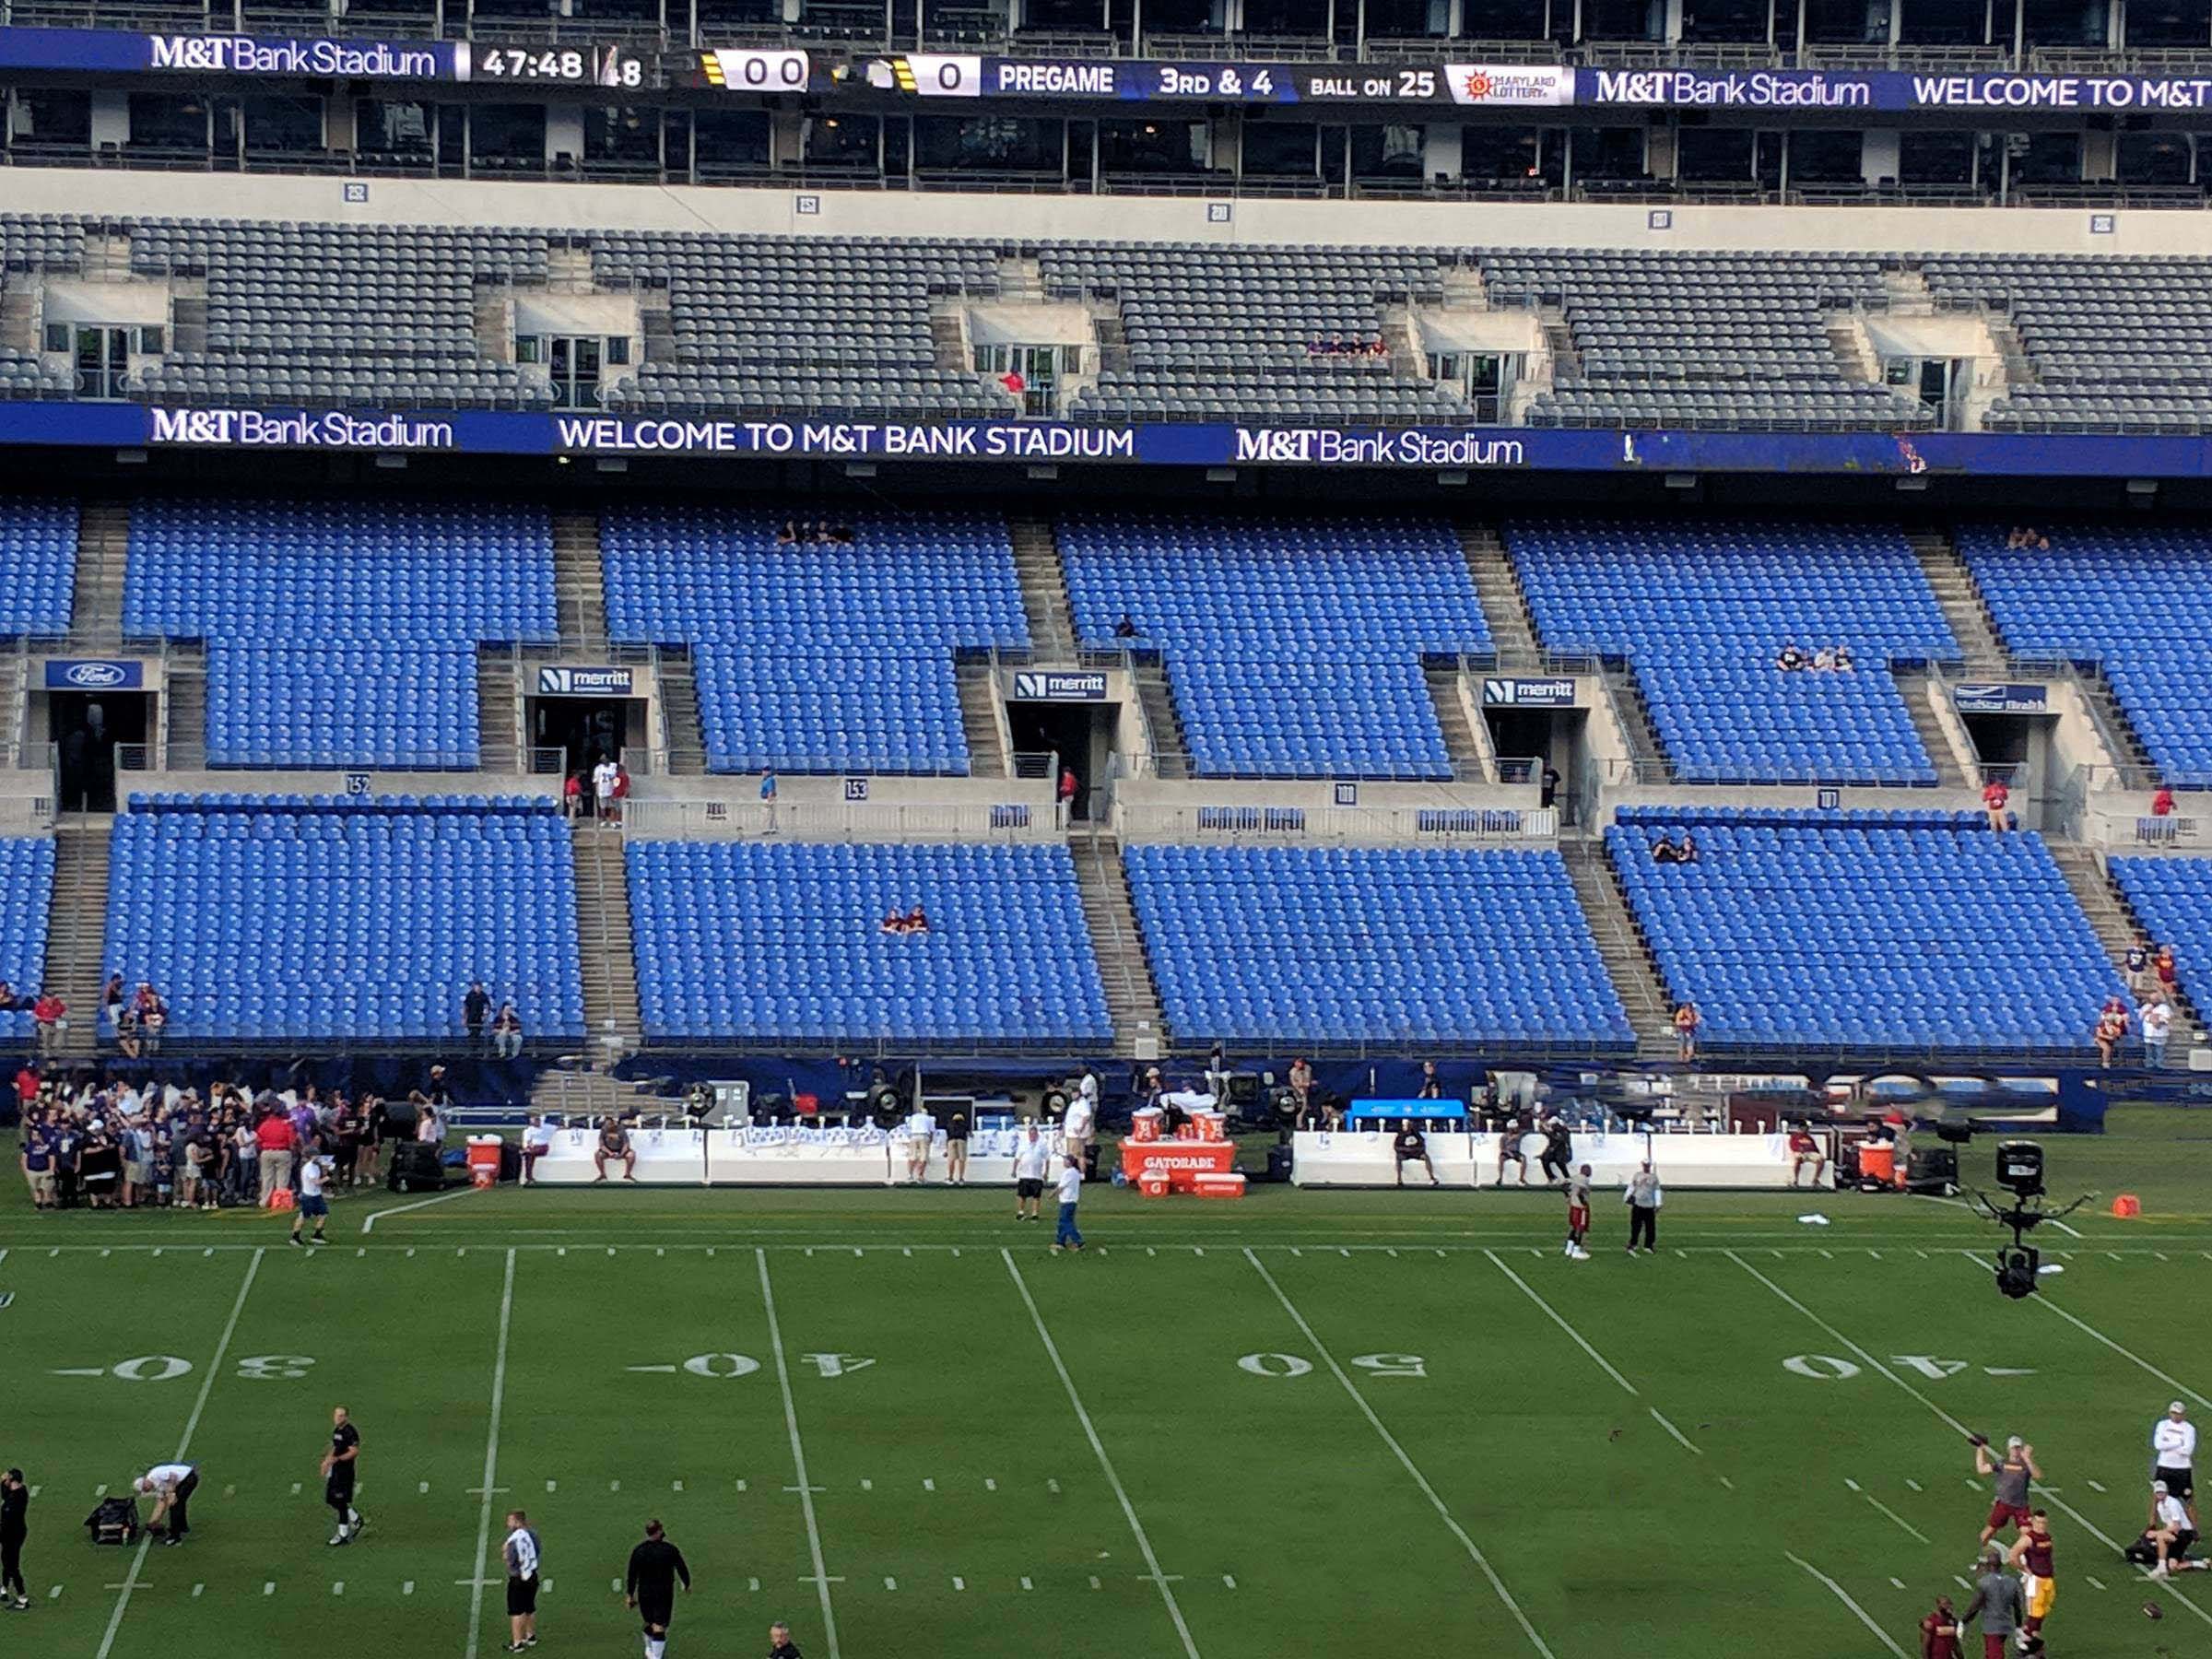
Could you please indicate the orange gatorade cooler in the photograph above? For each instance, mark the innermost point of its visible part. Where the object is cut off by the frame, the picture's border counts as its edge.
(1226, 1183)
(1878, 1163)
(1144, 1125)
(1209, 1125)
(1153, 1183)
(484, 1159)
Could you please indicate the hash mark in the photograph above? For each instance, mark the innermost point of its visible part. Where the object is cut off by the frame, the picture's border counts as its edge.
(1898, 1582)
(866, 1486)
(2096, 1485)
(2095, 1583)
(960, 1584)
(1027, 1585)
(928, 1485)
(1232, 1582)
(406, 1587)
(890, 1583)
(269, 1588)
(1094, 1585)
(990, 1485)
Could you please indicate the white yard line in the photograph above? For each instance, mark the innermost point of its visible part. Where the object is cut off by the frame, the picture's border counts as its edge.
(2094, 1333)
(1679, 1436)
(491, 1459)
(191, 1424)
(1573, 1335)
(1474, 1551)
(1961, 1429)
(1098, 1447)
(1845, 1596)
(799, 1456)
(369, 1221)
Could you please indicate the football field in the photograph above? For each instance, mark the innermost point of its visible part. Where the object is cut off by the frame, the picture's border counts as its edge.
(1396, 1423)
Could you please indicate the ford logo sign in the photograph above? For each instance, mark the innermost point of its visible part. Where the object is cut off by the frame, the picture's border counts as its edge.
(96, 673)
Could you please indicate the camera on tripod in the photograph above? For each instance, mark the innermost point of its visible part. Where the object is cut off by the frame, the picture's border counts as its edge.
(2020, 1168)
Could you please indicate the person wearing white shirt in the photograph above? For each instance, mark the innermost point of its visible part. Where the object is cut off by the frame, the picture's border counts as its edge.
(1077, 1126)
(2156, 1019)
(170, 1485)
(602, 787)
(1071, 1190)
(522, 1555)
(2172, 1532)
(537, 1140)
(1032, 1157)
(2173, 1443)
(314, 1176)
(920, 1129)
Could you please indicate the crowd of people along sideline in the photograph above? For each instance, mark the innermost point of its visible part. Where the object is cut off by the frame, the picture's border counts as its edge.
(97, 1142)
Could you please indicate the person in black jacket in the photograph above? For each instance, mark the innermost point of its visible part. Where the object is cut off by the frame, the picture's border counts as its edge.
(778, 1642)
(14, 1501)
(1559, 1149)
(650, 1586)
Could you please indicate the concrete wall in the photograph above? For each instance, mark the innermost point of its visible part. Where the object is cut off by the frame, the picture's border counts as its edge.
(1000, 217)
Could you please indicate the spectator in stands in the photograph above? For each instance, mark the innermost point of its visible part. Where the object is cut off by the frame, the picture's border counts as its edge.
(1843, 661)
(1548, 785)
(1791, 659)
(2156, 1018)
(1432, 1086)
(602, 787)
(1824, 659)
(614, 1142)
(767, 799)
(111, 1002)
(2112, 1028)
(1412, 1147)
(894, 921)
(152, 1016)
(475, 1008)
(2163, 970)
(2027, 536)
(621, 787)
(50, 1015)
(1687, 851)
(2161, 802)
(788, 535)
(1126, 627)
(1687, 1021)
(507, 1032)
(1804, 1147)
(915, 921)
(2138, 963)
(9, 1001)
(1996, 796)
(1663, 851)
(571, 797)
(842, 535)
(1066, 793)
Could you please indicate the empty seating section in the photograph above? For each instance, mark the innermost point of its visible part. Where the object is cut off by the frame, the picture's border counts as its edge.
(754, 942)
(1215, 332)
(25, 887)
(2115, 344)
(2137, 601)
(1293, 645)
(284, 917)
(340, 632)
(1305, 948)
(1721, 340)
(792, 324)
(374, 314)
(2172, 899)
(1701, 612)
(812, 657)
(38, 555)
(1864, 930)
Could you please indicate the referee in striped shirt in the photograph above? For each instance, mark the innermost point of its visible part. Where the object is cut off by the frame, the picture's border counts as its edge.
(521, 1553)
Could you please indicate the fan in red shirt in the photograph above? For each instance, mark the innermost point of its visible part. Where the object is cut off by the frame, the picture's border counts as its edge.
(1939, 1632)
(2161, 803)
(1995, 797)
(1805, 1149)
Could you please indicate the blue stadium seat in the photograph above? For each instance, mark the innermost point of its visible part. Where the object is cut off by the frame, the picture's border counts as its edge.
(1293, 646)
(38, 551)
(755, 942)
(1271, 944)
(2172, 899)
(341, 633)
(813, 658)
(1864, 930)
(1701, 611)
(26, 887)
(2138, 600)
(294, 917)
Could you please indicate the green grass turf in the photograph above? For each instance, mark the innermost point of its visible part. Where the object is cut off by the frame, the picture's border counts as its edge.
(1065, 1455)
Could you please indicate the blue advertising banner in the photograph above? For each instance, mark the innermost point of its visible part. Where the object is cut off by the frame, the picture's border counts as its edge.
(1984, 699)
(271, 57)
(94, 673)
(1167, 443)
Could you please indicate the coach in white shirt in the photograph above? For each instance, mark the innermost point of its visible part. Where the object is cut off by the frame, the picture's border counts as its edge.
(1032, 1159)
(170, 1485)
(2173, 1440)
(1076, 1128)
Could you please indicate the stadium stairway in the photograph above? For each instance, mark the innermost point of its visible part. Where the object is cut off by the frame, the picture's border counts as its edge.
(2137, 767)
(565, 1091)
(76, 930)
(1445, 680)
(1621, 943)
(611, 1011)
(580, 581)
(1916, 688)
(2117, 925)
(1132, 996)
(499, 710)
(1954, 588)
(103, 544)
(979, 719)
(679, 707)
(1504, 605)
(1171, 748)
(1635, 716)
(15, 678)
(184, 709)
(1044, 589)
